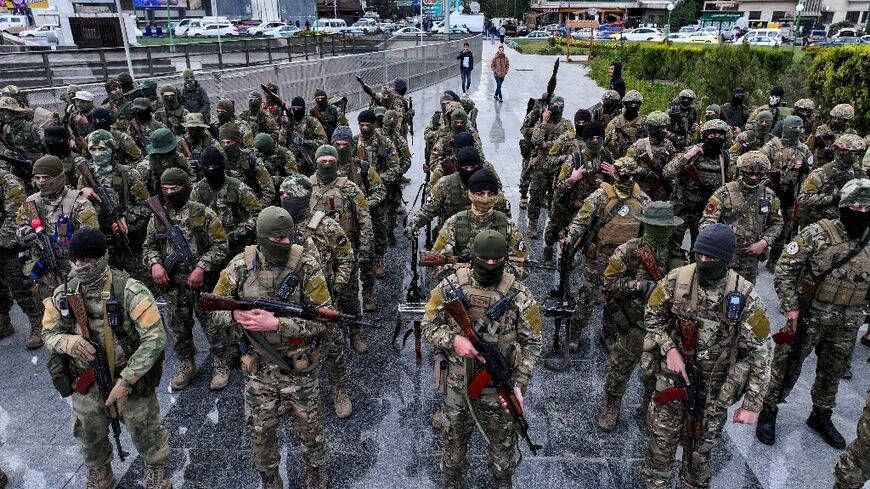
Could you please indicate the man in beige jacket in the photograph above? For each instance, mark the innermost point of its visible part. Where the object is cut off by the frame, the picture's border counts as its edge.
(500, 66)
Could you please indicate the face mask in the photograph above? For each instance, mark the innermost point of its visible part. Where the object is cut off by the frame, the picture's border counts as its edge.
(631, 111)
(298, 114)
(837, 123)
(224, 117)
(297, 207)
(657, 235)
(656, 133)
(482, 205)
(322, 104)
(686, 102)
(610, 107)
(92, 274)
(143, 116)
(190, 84)
(578, 129)
(459, 126)
(388, 128)
(750, 180)
(254, 106)
(791, 134)
(855, 222)
(762, 129)
(102, 158)
(214, 175)
(848, 158)
(178, 199)
(555, 114)
(170, 103)
(713, 146)
(465, 176)
(624, 183)
(488, 275)
(102, 124)
(594, 147)
(345, 154)
(368, 132)
(195, 133)
(773, 100)
(60, 149)
(737, 101)
(233, 151)
(275, 253)
(327, 172)
(710, 272)
(52, 186)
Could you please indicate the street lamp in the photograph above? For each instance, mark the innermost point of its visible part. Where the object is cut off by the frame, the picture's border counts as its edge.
(797, 23)
(668, 26)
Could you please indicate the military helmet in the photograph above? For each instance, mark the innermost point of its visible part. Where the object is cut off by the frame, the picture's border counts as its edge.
(194, 119)
(714, 125)
(658, 119)
(9, 103)
(688, 93)
(624, 166)
(855, 192)
(843, 111)
(10, 91)
(850, 142)
(558, 100)
(632, 96)
(805, 103)
(753, 162)
(611, 96)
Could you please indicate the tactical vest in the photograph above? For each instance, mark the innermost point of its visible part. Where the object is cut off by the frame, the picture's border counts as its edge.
(463, 227)
(329, 199)
(735, 204)
(24, 140)
(59, 225)
(847, 285)
(458, 197)
(623, 226)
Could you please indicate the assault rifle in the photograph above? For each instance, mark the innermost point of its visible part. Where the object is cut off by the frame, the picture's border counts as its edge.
(661, 182)
(411, 119)
(138, 135)
(560, 305)
(99, 372)
(181, 252)
(47, 263)
(496, 370)
(106, 207)
(368, 90)
(413, 307)
(16, 158)
(435, 259)
(214, 302)
(294, 141)
(645, 257)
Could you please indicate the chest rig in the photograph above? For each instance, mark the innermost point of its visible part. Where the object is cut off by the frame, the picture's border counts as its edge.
(847, 284)
(329, 199)
(622, 225)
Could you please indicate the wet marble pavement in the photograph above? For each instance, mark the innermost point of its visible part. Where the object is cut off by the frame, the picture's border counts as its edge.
(389, 442)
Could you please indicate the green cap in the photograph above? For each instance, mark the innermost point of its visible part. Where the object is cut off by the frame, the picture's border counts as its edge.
(48, 165)
(326, 150)
(490, 244)
(275, 222)
(175, 176)
(264, 143)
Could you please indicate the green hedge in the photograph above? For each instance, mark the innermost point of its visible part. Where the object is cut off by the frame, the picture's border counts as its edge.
(842, 75)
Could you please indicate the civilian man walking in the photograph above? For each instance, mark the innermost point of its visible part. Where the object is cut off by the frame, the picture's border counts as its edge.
(500, 66)
(466, 64)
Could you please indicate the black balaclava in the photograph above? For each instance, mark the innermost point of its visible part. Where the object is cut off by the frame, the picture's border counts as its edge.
(297, 106)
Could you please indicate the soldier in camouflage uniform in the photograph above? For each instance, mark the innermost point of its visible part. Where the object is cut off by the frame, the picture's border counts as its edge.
(13, 284)
(127, 191)
(390, 129)
(162, 154)
(258, 119)
(143, 122)
(81, 122)
(207, 240)
(626, 128)
(392, 97)
(149, 90)
(853, 466)
(750, 209)
(573, 185)
(732, 354)
(532, 118)
(56, 141)
(171, 113)
(283, 366)
(684, 118)
(790, 160)
(628, 282)
(342, 200)
(755, 138)
(379, 152)
(517, 331)
(128, 152)
(736, 112)
(226, 114)
(19, 132)
(805, 109)
(827, 134)
(337, 264)
(194, 97)
(279, 160)
(234, 202)
(458, 232)
(443, 156)
(326, 113)
(197, 138)
(447, 165)
(708, 162)
(242, 163)
(135, 366)
(541, 171)
(833, 253)
(820, 192)
(440, 119)
(608, 109)
(774, 105)
(62, 211)
(652, 154)
(303, 134)
(14, 92)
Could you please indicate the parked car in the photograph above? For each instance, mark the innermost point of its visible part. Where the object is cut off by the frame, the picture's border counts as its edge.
(407, 32)
(214, 29)
(352, 31)
(676, 36)
(185, 25)
(389, 27)
(539, 35)
(845, 32)
(643, 34)
(697, 37)
(261, 29)
(865, 39)
(582, 34)
(12, 22)
(775, 34)
(817, 36)
(688, 29)
(368, 25)
(41, 31)
(733, 32)
(282, 31)
(840, 41)
(762, 41)
(522, 30)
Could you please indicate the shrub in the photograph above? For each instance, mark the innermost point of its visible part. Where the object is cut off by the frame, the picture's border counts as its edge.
(840, 76)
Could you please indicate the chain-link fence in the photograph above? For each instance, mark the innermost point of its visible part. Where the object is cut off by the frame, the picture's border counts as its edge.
(422, 66)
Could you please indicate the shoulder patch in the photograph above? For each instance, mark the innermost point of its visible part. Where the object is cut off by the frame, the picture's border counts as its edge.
(657, 296)
(710, 208)
(759, 324)
(521, 245)
(792, 248)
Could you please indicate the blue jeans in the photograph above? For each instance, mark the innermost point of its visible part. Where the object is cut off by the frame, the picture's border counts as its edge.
(465, 73)
(498, 82)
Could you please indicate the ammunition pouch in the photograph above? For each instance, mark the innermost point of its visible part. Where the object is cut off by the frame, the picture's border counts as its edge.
(842, 292)
(442, 366)
(62, 378)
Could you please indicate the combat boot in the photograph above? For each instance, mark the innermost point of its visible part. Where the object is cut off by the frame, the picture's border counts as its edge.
(315, 478)
(271, 479)
(341, 402)
(156, 477)
(185, 373)
(765, 430)
(609, 413)
(380, 269)
(548, 254)
(220, 374)
(532, 230)
(101, 477)
(359, 342)
(35, 339)
(524, 202)
(502, 483)
(820, 421)
(369, 300)
(6, 328)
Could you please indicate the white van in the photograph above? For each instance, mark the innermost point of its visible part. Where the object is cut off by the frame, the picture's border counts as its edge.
(12, 22)
(329, 26)
(774, 34)
(186, 25)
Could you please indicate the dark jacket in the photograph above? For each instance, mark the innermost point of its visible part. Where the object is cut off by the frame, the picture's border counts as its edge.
(616, 81)
(470, 59)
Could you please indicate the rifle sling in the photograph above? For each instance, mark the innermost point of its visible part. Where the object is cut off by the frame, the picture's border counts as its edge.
(264, 348)
(846, 259)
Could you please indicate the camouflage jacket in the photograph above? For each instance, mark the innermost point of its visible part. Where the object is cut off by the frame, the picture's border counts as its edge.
(172, 119)
(747, 141)
(280, 163)
(787, 165)
(260, 122)
(203, 231)
(449, 196)
(599, 211)
(457, 235)
(749, 334)
(69, 203)
(12, 194)
(235, 204)
(651, 161)
(196, 100)
(309, 134)
(153, 166)
(620, 134)
(824, 138)
(247, 134)
(352, 213)
(383, 157)
(140, 132)
(24, 136)
(682, 124)
(544, 135)
(751, 222)
(713, 173)
(626, 277)
(402, 148)
(138, 312)
(735, 116)
(443, 154)
(336, 252)
(820, 192)
(366, 178)
(252, 171)
(568, 199)
(128, 193)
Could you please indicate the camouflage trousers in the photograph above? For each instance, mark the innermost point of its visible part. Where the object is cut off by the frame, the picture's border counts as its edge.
(624, 356)
(525, 179)
(141, 417)
(667, 424)
(379, 229)
(831, 332)
(779, 243)
(335, 360)
(590, 295)
(271, 393)
(348, 298)
(690, 222)
(182, 306)
(853, 467)
(558, 220)
(496, 424)
(540, 191)
(746, 265)
(14, 286)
